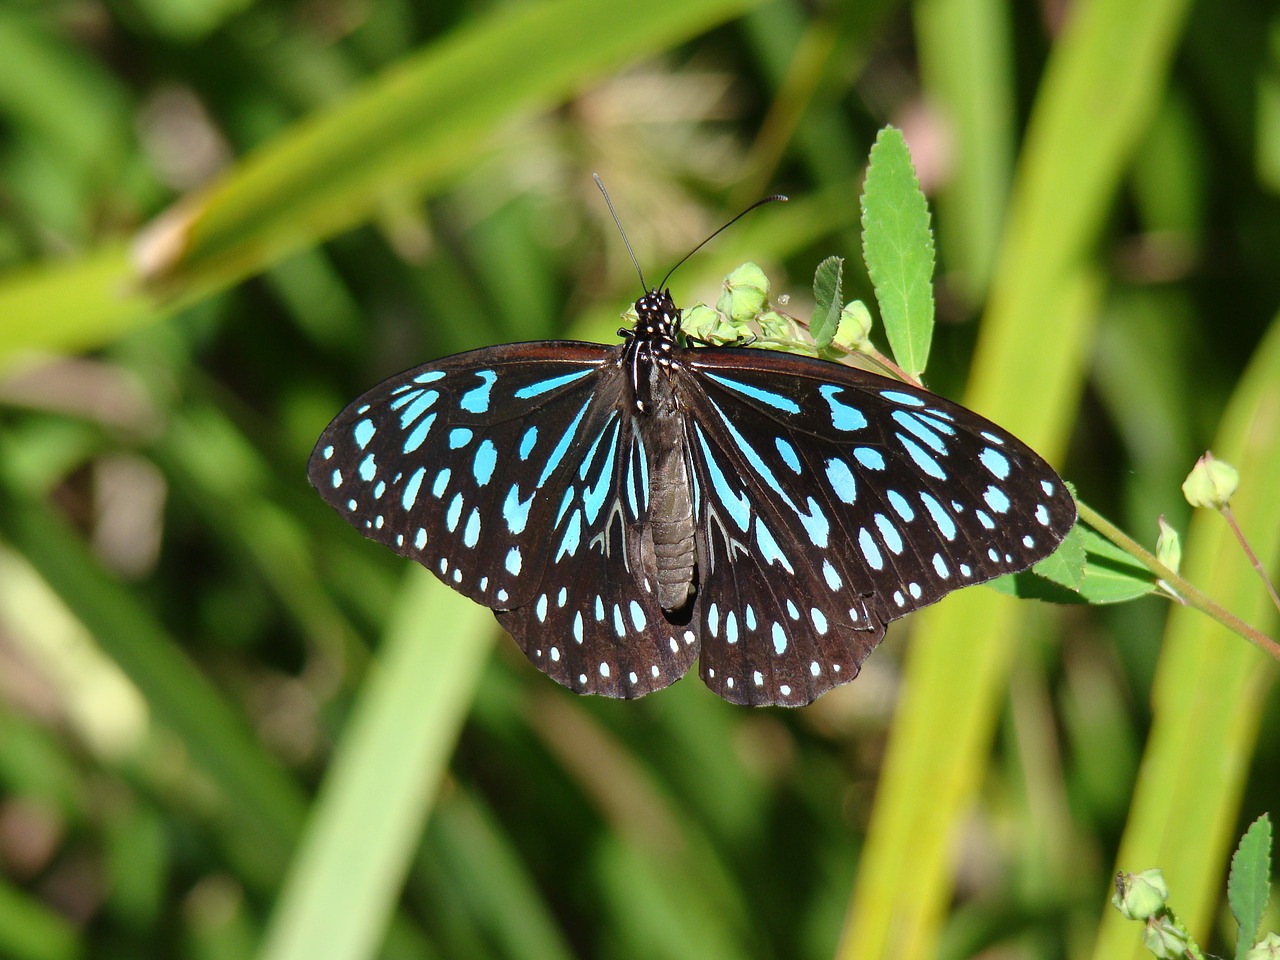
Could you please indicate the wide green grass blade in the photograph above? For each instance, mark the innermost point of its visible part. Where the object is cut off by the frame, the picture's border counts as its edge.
(29, 930)
(265, 804)
(411, 129)
(1211, 686)
(1113, 53)
(966, 63)
(345, 880)
(407, 132)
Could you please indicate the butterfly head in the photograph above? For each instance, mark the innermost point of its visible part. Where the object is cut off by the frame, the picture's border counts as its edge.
(657, 316)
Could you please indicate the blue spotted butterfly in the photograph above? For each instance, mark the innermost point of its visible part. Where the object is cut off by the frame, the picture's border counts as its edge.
(627, 509)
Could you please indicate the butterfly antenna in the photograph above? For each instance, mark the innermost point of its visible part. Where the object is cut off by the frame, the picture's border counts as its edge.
(625, 241)
(759, 203)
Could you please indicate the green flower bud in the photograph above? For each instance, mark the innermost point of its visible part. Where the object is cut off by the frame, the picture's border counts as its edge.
(701, 322)
(1140, 896)
(746, 292)
(854, 327)
(1166, 940)
(1168, 546)
(1210, 483)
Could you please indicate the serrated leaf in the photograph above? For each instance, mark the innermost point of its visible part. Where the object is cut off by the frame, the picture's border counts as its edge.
(829, 300)
(1249, 885)
(897, 245)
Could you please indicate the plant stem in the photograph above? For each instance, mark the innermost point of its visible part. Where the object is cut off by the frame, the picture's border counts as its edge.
(1182, 589)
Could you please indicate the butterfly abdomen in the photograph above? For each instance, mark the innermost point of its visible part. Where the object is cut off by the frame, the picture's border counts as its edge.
(670, 502)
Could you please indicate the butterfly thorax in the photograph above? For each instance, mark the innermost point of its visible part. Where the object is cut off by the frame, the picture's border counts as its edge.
(668, 545)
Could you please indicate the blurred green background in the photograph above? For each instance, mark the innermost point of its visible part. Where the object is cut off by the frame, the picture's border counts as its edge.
(229, 727)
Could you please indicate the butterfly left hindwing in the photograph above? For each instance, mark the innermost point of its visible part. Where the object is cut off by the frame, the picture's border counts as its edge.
(515, 474)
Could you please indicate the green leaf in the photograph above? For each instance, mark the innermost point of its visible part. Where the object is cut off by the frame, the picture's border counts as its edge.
(1249, 885)
(897, 245)
(1110, 574)
(828, 297)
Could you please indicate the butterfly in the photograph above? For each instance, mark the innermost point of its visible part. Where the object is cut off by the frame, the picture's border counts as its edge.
(628, 509)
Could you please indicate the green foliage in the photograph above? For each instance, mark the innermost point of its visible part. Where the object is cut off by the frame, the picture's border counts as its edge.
(1249, 883)
(897, 245)
(231, 727)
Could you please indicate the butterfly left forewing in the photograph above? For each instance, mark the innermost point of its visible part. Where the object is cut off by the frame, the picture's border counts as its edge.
(458, 464)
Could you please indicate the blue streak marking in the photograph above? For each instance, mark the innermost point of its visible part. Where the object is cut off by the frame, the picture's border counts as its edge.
(775, 400)
(476, 400)
(414, 440)
(572, 536)
(638, 619)
(869, 458)
(527, 441)
(368, 468)
(819, 620)
(364, 432)
(889, 533)
(486, 459)
(442, 482)
(906, 399)
(751, 617)
(640, 452)
(546, 386)
(515, 511)
(618, 626)
(431, 376)
(564, 505)
(713, 618)
(739, 507)
(915, 425)
(455, 513)
(779, 639)
(815, 524)
(900, 505)
(941, 519)
(410, 495)
(788, 454)
(922, 460)
(933, 418)
(996, 499)
(830, 574)
(472, 533)
(842, 482)
(459, 437)
(769, 551)
(558, 453)
(591, 454)
(996, 462)
(941, 566)
(420, 405)
(869, 549)
(731, 627)
(843, 416)
(593, 497)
